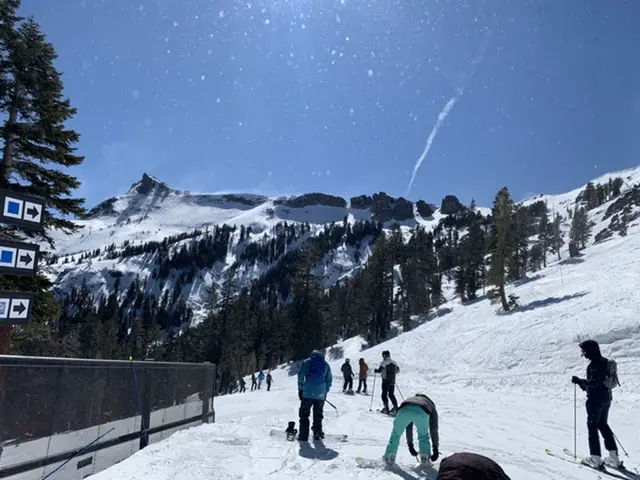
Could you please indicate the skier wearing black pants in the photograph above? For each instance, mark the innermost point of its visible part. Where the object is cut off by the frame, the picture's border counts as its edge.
(598, 386)
(388, 370)
(347, 371)
(314, 382)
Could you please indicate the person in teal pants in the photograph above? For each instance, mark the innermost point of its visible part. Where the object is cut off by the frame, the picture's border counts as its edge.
(421, 412)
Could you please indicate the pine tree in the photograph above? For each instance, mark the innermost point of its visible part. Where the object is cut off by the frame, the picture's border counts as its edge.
(34, 111)
(580, 228)
(308, 328)
(502, 217)
(519, 242)
(590, 196)
(556, 240)
(544, 237)
(616, 186)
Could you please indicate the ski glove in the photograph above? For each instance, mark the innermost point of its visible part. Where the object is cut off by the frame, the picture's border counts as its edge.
(578, 381)
(435, 455)
(412, 450)
(300, 394)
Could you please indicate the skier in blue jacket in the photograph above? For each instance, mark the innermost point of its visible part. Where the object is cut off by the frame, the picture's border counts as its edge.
(314, 382)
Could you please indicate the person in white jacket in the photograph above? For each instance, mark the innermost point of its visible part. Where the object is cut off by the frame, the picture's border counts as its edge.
(388, 370)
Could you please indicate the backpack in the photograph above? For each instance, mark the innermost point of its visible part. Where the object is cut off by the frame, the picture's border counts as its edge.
(317, 370)
(611, 380)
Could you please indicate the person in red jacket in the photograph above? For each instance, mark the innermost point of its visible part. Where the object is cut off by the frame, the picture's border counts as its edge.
(362, 377)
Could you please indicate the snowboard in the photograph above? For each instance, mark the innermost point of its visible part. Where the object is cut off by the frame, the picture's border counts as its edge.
(328, 437)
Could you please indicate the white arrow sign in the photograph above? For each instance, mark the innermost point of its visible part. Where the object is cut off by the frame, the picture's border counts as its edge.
(19, 308)
(26, 259)
(15, 307)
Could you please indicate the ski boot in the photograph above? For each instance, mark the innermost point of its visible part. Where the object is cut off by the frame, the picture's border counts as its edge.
(385, 410)
(594, 461)
(318, 435)
(291, 431)
(613, 460)
(389, 459)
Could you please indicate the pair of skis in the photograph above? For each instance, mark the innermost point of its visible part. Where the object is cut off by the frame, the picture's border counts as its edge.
(363, 462)
(569, 456)
(328, 437)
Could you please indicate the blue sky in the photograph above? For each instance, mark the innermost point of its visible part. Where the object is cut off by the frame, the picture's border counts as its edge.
(340, 96)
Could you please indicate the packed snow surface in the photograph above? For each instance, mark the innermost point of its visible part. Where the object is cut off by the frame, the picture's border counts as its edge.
(501, 384)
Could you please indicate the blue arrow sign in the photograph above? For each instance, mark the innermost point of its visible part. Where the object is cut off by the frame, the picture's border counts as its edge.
(18, 258)
(19, 209)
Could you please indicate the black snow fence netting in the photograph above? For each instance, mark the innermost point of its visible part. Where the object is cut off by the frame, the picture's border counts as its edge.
(58, 414)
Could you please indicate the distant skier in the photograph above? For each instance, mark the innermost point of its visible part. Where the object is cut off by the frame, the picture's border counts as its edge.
(260, 379)
(347, 371)
(388, 370)
(314, 382)
(470, 466)
(362, 377)
(421, 412)
(269, 380)
(243, 384)
(598, 384)
(254, 383)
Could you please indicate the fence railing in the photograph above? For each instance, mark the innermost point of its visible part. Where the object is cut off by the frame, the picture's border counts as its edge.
(64, 418)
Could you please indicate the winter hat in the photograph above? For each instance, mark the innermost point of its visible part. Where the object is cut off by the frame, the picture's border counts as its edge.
(591, 349)
(386, 354)
(470, 466)
(347, 360)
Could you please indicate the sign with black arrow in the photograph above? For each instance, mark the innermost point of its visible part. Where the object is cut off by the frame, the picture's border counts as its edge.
(17, 258)
(15, 308)
(20, 209)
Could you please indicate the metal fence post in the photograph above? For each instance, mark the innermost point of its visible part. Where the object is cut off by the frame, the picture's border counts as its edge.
(147, 403)
(207, 392)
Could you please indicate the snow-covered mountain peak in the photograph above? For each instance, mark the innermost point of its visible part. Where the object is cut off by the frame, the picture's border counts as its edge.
(149, 185)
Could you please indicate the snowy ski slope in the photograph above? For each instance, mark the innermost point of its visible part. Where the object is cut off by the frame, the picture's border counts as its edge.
(501, 384)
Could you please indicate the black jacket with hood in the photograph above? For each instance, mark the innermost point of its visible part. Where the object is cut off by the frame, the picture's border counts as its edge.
(597, 391)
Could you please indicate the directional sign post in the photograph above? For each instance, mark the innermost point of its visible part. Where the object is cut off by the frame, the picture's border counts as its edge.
(17, 258)
(15, 308)
(20, 209)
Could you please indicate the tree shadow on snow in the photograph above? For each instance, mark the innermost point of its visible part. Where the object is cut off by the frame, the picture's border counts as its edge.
(316, 451)
(572, 261)
(545, 303)
(525, 280)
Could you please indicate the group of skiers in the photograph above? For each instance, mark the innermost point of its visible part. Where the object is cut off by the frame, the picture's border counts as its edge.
(347, 372)
(256, 383)
(419, 411)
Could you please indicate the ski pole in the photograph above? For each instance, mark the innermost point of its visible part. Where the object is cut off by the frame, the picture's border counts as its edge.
(575, 408)
(373, 389)
(400, 392)
(337, 415)
(625, 452)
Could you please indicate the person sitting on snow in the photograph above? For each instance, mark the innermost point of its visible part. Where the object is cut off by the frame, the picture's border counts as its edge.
(470, 466)
(420, 411)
